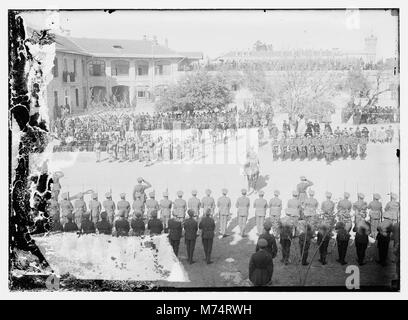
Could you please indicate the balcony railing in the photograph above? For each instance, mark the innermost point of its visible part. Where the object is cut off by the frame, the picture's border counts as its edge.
(68, 76)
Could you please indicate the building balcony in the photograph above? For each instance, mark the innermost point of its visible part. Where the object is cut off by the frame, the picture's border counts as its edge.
(69, 77)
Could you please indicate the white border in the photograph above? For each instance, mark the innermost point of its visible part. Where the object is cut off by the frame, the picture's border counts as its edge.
(160, 4)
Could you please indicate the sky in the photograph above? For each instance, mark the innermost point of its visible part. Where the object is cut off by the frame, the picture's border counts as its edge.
(217, 32)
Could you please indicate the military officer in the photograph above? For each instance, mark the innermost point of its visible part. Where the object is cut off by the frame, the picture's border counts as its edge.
(194, 204)
(151, 204)
(138, 205)
(224, 208)
(328, 210)
(80, 209)
(360, 209)
(207, 227)
(165, 210)
(392, 209)
(261, 265)
(110, 207)
(302, 189)
(208, 202)
(310, 211)
(260, 206)
(293, 208)
(272, 248)
(242, 206)
(141, 186)
(375, 213)
(123, 204)
(66, 208)
(95, 207)
(275, 210)
(179, 207)
(343, 211)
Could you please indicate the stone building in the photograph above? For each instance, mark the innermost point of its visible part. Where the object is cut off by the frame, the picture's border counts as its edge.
(88, 71)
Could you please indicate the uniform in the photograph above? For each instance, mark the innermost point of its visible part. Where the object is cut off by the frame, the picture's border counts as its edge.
(323, 240)
(151, 205)
(260, 205)
(360, 209)
(383, 241)
(328, 211)
(80, 209)
(190, 235)
(110, 207)
(361, 241)
(175, 232)
(194, 204)
(165, 211)
(87, 226)
(138, 206)
(391, 211)
(343, 211)
(310, 211)
(275, 211)
(207, 227)
(293, 209)
(242, 206)
(375, 212)
(179, 208)
(208, 202)
(103, 226)
(224, 208)
(124, 205)
(95, 207)
(285, 238)
(305, 238)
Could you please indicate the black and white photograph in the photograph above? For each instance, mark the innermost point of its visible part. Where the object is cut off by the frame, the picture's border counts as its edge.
(204, 149)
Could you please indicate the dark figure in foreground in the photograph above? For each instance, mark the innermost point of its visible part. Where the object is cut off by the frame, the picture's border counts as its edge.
(361, 241)
(87, 225)
(207, 227)
(122, 225)
(323, 239)
(70, 226)
(190, 228)
(383, 241)
(103, 226)
(342, 239)
(261, 265)
(305, 237)
(175, 232)
(154, 225)
(138, 225)
(272, 248)
(285, 234)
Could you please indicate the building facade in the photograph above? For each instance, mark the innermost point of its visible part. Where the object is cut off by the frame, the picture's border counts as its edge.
(90, 72)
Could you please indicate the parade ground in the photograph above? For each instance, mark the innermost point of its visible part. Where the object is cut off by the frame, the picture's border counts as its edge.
(378, 173)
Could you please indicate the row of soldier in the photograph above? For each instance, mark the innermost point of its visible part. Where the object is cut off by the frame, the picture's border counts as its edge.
(326, 146)
(303, 205)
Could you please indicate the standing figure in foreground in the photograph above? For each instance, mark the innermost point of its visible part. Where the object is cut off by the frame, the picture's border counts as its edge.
(190, 235)
(165, 210)
(260, 206)
(261, 265)
(285, 238)
(275, 211)
(109, 206)
(207, 227)
(224, 208)
(361, 241)
(242, 205)
(342, 239)
(323, 239)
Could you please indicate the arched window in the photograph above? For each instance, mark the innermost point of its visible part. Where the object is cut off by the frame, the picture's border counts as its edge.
(97, 68)
(120, 68)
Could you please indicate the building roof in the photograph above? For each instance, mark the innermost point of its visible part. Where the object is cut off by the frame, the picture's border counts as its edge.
(64, 44)
(125, 48)
(192, 55)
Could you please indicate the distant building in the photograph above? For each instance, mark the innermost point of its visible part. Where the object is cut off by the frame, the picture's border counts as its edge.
(129, 71)
(265, 53)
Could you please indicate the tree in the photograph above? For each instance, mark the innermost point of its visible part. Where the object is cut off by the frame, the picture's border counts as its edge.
(259, 85)
(306, 92)
(200, 90)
